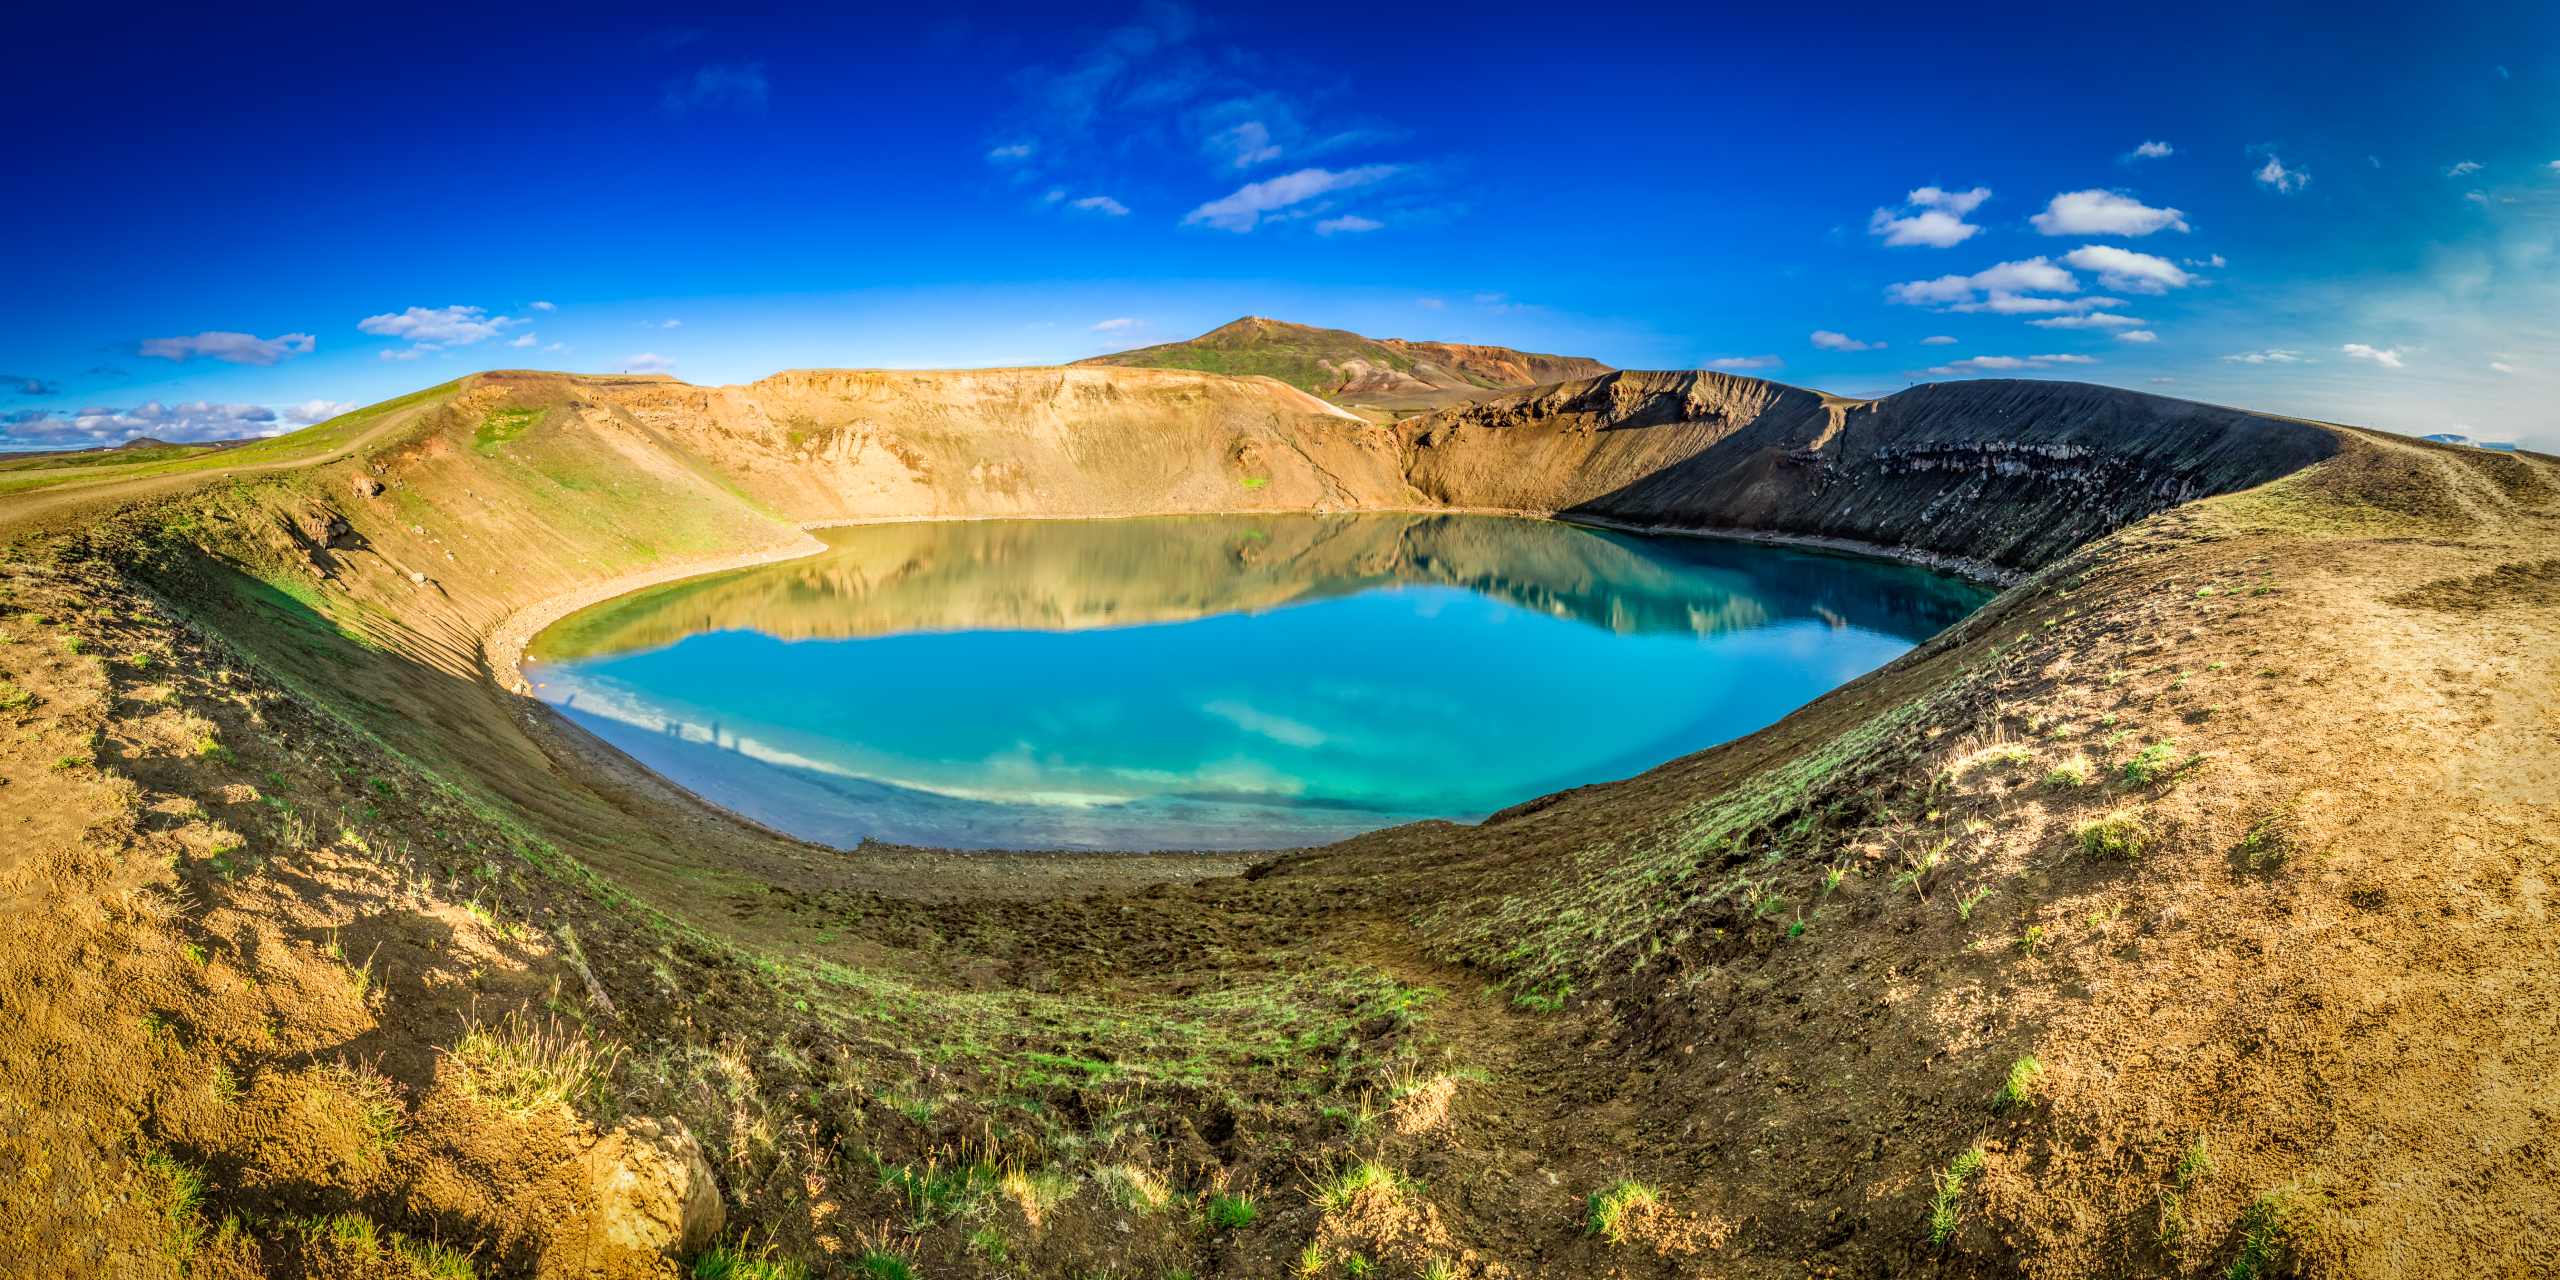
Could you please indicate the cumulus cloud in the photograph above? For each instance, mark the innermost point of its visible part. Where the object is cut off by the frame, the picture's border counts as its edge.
(441, 326)
(2502, 366)
(2387, 357)
(1116, 324)
(2088, 320)
(1830, 341)
(2131, 272)
(2151, 151)
(647, 362)
(1929, 216)
(1100, 204)
(190, 423)
(2272, 355)
(2006, 288)
(2096, 212)
(1010, 152)
(2273, 174)
(525, 341)
(2463, 168)
(1745, 364)
(544, 306)
(402, 353)
(2137, 335)
(1244, 209)
(1349, 222)
(736, 86)
(2005, 364)
(1937, 340)
(231, 348)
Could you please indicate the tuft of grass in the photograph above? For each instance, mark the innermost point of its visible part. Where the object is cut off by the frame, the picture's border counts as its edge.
(13, 698)
(2269, 841)
(1946, 1203)
(2120, 835)
(1368, 1176)
(2020, 1088)
(2195, 1163)
(520, 1066)
(1310, 1263)
(880, 1264)
(1231, 1212)
(1134, 1189)
(2150, 764)
(179, 1190)
(431, 1261)
(722, 1263)
(2273, 1230)
(1966, 904)
(2073, 772)
(1605, 1214)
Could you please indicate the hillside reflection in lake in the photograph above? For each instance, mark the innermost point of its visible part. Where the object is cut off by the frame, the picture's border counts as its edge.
(1213, 682)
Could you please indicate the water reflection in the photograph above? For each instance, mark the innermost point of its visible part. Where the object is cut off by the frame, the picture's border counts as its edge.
(1213, 682)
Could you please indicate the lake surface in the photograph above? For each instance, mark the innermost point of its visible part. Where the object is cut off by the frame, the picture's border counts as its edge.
(1213, 682)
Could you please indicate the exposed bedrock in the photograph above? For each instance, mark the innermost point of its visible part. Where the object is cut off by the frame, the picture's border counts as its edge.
(2008, 473)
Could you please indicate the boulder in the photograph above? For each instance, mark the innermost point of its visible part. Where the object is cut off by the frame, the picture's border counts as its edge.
(654, 1192)
(366, 486)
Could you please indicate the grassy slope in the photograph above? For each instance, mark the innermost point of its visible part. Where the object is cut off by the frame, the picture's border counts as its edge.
(1323, 361)
(1842, 936)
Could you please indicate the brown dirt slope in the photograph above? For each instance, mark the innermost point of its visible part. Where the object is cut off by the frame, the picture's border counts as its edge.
(2185, 911)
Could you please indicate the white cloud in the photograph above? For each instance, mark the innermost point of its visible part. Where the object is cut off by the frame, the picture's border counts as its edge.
(739, 86)
(2272, 355)
(1245, 145)
(1350, 222)
(2137, 335)
(1102, 205)
(2010, 304)
(525, 341)
(1432, 304)
(1937, 340)
(2089, 320)
(2095, 212)
(445, 326)
(1116, 324)
(2502, 366)
(2274, 174)
(544, 306)
(2555, 166)
(2477, 197)
(2151, 151)
(1830, 341)
(402, 353)
(2387, 357)
(2002, 280)
(1930, 216)
(1243, 209)
(230, 348)
(2464, 168)
(671, 324)
(2214, 261)
(1010, 152)
(647, 362)
(2129, 271)
(1745, 364)
(188, 423)
(2004, 364)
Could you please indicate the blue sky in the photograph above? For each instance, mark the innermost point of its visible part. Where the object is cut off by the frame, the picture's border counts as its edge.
(230, 222)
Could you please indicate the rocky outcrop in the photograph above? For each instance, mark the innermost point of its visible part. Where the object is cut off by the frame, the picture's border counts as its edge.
(654, 1192)
(2007, 473)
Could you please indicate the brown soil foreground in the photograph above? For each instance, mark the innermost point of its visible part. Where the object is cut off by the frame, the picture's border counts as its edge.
(2188, 910)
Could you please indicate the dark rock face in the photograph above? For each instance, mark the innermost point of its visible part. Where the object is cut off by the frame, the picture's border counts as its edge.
(2011, 474)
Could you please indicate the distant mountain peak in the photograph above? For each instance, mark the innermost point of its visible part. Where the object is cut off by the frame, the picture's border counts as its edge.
(1381, 377)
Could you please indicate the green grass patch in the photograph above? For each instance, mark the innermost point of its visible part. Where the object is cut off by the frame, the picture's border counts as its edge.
(1946, 1199)
(1231, 1212)
(2273, 1230)
(2121, 835)
(723, 1263)
(1606, 1213)
(503, 425)
(2025, 1076)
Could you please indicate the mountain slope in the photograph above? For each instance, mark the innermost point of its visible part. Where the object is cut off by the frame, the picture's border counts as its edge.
(1385, 375)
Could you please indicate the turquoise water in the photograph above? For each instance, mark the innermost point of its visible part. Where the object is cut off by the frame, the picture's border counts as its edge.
(1227, 682)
